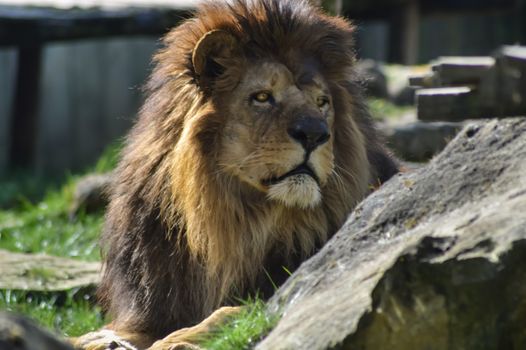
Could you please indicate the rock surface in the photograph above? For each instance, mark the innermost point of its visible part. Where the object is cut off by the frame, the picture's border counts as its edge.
(40, 272)
(19, 333)
(435, 259)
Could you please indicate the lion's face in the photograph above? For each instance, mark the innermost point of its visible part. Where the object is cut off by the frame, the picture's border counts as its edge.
(277, 137)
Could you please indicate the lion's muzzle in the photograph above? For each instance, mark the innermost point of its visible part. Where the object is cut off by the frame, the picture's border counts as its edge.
(310, 132)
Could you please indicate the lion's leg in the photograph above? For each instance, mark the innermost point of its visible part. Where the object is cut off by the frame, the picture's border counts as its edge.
(107, 338)
(188, 338)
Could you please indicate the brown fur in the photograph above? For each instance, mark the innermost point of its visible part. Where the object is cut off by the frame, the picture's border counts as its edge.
(188, 229)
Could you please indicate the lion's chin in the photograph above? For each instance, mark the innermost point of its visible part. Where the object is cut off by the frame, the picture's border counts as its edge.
(296, 191)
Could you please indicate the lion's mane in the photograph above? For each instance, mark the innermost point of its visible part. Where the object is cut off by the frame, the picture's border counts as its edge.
(180, 239)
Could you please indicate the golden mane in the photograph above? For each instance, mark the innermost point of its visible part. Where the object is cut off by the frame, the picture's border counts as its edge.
(181, 238)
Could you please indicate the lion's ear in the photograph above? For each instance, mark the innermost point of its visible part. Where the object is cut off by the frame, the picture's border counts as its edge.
(211, 52)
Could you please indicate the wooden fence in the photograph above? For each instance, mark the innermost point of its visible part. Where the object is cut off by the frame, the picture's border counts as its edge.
(90, 92)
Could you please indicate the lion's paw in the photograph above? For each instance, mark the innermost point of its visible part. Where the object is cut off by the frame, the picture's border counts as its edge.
(103, 339)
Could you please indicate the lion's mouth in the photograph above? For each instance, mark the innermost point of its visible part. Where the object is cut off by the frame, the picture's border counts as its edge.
(302, 169)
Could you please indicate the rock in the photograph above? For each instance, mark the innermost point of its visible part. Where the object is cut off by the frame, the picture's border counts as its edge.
(457, 71)
(373, 78)
(19, 333)
(473, 87)
(420, 141)
(511, 80)
(40, 272)
(449, 103)
(91, 193)
(435, 259)
(404, 96)
(400, 93)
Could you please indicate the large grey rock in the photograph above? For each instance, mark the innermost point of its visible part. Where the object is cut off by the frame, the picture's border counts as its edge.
(19, 333)
(41, 272)
(435, 259)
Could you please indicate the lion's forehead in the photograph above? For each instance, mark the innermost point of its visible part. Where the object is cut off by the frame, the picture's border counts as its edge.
(271, 74)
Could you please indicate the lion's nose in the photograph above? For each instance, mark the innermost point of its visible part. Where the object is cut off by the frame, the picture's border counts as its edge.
(310, 132)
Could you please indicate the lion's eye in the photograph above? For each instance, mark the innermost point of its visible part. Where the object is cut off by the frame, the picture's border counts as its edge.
(322, 101)
(262, 96)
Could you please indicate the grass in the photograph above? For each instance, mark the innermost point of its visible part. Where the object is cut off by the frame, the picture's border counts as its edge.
(46, 227)
(34, 218)
(69, 314)
(244, 331)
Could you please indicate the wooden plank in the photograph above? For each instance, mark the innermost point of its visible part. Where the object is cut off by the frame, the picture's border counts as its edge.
(34, 26)
(8, 59)
(90, 96)
(88, 120)
(41, 272)
(104, 4)
(55, 137)
(123, 81)
(411, 34)
(395, 39)
(24, 114)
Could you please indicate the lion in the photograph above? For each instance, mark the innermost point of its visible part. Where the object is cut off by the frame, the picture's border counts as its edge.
(253, 146)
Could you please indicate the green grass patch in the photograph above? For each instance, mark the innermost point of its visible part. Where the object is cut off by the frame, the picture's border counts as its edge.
(34, 218)
(43, 225)
(244, 330)
(70, 314)
(46, 227)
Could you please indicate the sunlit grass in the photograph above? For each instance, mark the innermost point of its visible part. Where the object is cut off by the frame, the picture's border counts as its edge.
(36, 219)
(46, 227)
(69, 314)
(244, 330)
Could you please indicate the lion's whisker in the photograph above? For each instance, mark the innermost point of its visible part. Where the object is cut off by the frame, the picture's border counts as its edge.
(338, 180)
(346, 172)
